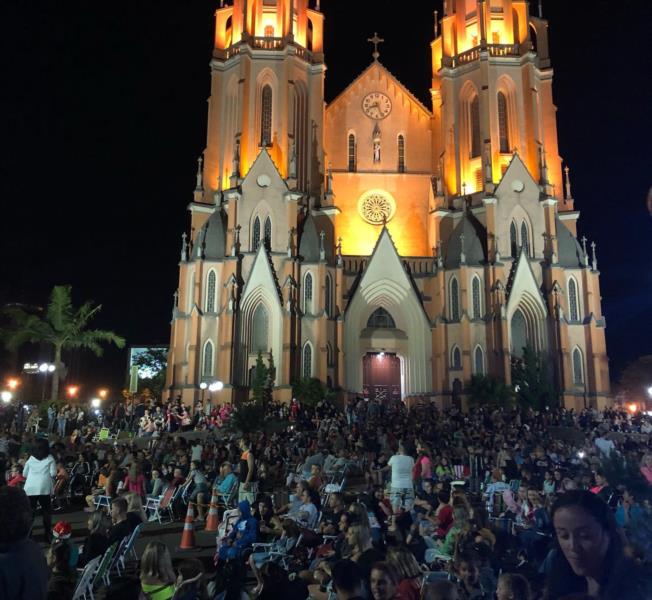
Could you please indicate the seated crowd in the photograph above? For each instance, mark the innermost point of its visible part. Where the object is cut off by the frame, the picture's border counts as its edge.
(369, 502)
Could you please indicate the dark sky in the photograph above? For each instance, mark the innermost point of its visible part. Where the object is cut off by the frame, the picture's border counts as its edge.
(103, 117)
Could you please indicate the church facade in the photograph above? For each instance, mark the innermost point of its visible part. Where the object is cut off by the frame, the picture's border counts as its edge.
(388, 248)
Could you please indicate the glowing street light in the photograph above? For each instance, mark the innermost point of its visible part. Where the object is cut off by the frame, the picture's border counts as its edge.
(103, 393)
(216, 386)
(95, 402)
(72, 391)
(632, 408)
(203, 385)
(13, 383)
(6, 396)
(649, 391)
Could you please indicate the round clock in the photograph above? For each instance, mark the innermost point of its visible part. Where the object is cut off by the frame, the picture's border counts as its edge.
(518, 185)
(376, 105)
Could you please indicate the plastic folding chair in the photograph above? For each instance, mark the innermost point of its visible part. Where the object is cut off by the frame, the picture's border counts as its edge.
(84, 588)
(103, 570)
(162, 504)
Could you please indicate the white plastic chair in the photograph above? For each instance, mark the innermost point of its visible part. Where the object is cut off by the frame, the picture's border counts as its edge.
(84, 589)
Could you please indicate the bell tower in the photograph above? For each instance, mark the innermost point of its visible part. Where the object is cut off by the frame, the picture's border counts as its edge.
(492, 96)
(267, 90)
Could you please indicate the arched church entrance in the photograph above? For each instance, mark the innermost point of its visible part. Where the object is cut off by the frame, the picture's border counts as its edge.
(381, 377)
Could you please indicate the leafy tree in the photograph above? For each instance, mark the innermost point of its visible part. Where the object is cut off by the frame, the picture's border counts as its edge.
(247, 417)
(487, 390)
(309, 391)
(259, 382)
(152, 362)
(636, 379)
(269, 382)
(532, 381)
(62, 327)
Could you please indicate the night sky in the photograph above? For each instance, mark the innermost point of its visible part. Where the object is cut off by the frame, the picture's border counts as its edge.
(104, 116)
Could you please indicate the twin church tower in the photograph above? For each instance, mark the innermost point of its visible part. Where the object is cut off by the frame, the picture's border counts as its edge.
(388, 248)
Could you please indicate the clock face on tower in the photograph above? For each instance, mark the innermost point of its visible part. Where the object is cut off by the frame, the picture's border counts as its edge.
(376, 105)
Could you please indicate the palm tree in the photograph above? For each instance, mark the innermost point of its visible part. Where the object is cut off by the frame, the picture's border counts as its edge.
(62, 326)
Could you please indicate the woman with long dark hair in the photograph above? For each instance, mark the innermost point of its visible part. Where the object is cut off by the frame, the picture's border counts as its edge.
(589, 556)
(39, 472)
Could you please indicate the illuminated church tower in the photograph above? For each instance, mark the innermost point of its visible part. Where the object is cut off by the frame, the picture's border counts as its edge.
(387, 249)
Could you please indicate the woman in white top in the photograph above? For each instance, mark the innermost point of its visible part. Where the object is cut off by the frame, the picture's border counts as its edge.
(39, 472)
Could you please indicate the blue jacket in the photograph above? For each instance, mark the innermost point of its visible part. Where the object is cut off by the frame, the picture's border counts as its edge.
(246, 527)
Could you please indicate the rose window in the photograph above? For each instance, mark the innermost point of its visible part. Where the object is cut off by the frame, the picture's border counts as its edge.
(376, 208)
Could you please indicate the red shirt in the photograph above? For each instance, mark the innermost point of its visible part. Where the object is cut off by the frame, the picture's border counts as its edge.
(408, 589)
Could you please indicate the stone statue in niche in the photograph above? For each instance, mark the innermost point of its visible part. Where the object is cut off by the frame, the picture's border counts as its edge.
(376, 140)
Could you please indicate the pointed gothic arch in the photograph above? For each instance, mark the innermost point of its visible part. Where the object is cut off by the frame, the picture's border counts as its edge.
(454, 299)
(259, 329)
(306, 361)
(191, 293)
(381, 319)
(266, 105)
(329, 355)
(578, 367)
(328, 295)
(352, 152)
(519, 333)
(507, 109)
(513, 240)
(267, 237)
(207, 359)
(211, 285)
(301, 131)
(573, 300)
(308, 293)
(456, 358)
(525, 238)
(255, 234)
(476, 296)
(479, 367)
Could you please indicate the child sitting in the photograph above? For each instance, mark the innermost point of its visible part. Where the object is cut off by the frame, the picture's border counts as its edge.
(16, 478)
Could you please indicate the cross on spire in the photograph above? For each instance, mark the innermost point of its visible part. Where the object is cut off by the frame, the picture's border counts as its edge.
(375, 41)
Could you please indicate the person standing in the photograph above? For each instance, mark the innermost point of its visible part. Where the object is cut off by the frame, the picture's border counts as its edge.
(62, 421)
(402, 489)
(52, 417)
(39, 472)
(248, 480)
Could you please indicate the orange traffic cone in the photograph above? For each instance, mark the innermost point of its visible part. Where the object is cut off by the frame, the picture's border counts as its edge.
(188, 535)
(213, 518)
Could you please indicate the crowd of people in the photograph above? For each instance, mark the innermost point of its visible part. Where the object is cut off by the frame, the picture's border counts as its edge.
(369, 501)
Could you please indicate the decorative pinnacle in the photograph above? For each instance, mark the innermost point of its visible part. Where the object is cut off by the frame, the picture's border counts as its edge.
(375, 41)
(568, 183)
(200, 183)
(436, 24)
(184, 247)
(594, 260)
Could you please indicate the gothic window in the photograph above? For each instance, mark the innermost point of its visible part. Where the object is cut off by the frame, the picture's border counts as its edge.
(456, 358)
(478, 361)
(578, 367)
(573, 307)
(210, 292)
(475, 128)
(307, 360)
(269, 31)
(329, 355)
(455, 300)
(207, 364)
(401, 154)
(255, 238)
(352, 157)
(260, 330)
(268, 233)
(328, 296)
(519, 333)
(307, 294)
(477, 300)
(513, 244)
(266, 117)
(381, 319)
(503, 124)
(525, 240)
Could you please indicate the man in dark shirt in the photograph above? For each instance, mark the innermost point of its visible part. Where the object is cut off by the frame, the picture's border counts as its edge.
(121, 526)
(23, 570)
(347, 581)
